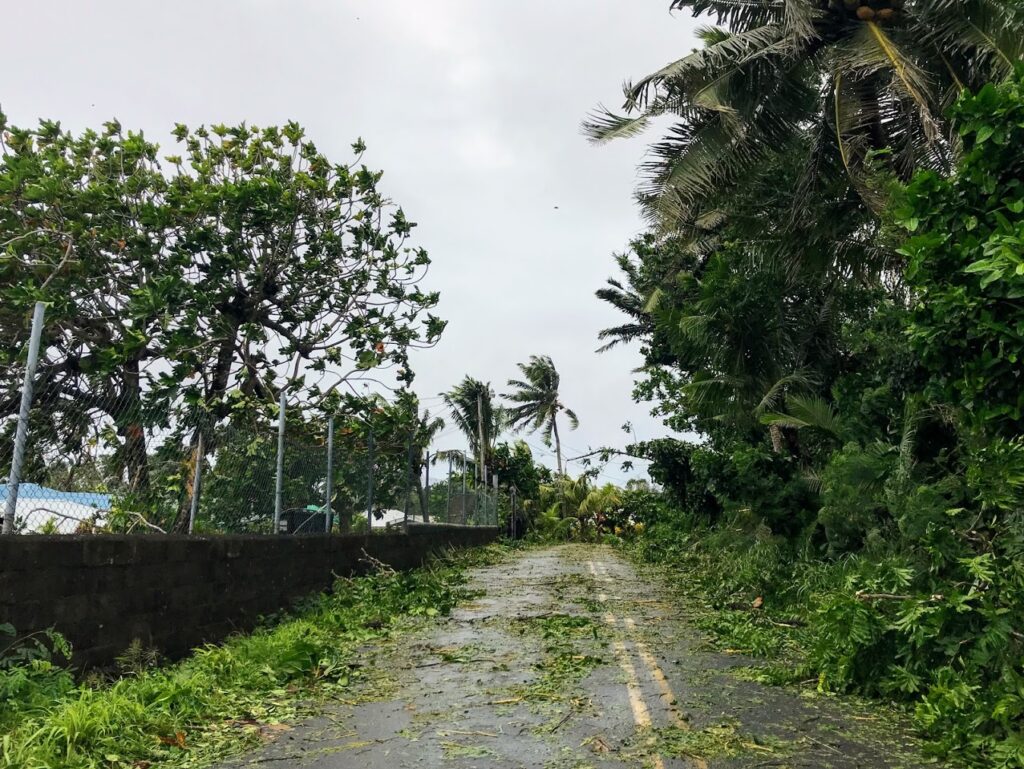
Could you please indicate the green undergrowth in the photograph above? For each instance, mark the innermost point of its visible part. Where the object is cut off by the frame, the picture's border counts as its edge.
(853, 625)
(224, 697)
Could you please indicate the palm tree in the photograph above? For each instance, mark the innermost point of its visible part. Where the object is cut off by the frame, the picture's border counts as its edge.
(629, 298)
(466, 401)
(599, 504)
(537, 402)
(839, 81)
(427, 428)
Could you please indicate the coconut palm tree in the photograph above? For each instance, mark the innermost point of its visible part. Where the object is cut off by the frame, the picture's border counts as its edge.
(427, 428)
(853, 85)
(466, 401)
(537, 402)
(628, 296)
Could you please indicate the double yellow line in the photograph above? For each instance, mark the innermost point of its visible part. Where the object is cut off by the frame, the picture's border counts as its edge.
(641, 712)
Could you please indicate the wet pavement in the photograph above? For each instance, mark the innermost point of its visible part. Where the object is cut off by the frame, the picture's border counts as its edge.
(568, 656)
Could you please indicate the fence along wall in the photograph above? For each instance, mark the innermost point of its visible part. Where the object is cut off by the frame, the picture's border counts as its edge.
(77, 468)
(176, 592)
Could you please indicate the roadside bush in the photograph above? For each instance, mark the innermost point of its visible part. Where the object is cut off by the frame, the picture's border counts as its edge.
(29, 677)
(966, 252)
(852, 506)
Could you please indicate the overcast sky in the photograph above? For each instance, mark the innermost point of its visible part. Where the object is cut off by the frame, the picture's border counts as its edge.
(471, 108)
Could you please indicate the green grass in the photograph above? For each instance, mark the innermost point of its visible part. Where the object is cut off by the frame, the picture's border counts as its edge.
(222, 698)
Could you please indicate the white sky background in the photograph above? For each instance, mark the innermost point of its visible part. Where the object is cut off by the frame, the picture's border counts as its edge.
(471, 108)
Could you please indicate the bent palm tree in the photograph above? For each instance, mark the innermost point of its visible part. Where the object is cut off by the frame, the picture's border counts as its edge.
(537, 402)
(627, 297)
(427, 428)
(841, 80)
(466, 401)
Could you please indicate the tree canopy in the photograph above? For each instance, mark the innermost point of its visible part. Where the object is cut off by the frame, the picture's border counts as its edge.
(188, 290)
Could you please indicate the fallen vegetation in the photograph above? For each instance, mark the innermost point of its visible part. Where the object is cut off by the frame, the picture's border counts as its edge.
(222, 698)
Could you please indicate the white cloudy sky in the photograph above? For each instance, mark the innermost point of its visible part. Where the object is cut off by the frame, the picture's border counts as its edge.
(471, 107)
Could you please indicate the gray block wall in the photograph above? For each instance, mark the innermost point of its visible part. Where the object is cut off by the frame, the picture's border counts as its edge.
(175, 593)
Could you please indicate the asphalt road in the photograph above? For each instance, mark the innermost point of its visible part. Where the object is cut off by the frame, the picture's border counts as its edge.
(569, 656)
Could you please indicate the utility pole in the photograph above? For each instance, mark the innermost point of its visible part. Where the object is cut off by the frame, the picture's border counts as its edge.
(482, 474)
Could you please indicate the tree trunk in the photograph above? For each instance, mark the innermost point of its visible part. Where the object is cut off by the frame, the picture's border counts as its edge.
(132, 430)
(136, 459)
(424, 499)
(558, 444)
(218, 386)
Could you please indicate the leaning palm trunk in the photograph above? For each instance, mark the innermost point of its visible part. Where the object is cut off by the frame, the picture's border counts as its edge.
(558, 445)
(776, 434)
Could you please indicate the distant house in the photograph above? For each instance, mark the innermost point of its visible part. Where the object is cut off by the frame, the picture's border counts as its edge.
(41, 509)
(392, 518)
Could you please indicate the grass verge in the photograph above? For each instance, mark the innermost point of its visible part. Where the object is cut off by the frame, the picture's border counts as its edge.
(224, 697)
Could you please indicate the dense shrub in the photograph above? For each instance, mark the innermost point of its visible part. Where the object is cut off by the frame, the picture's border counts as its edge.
(966, 263)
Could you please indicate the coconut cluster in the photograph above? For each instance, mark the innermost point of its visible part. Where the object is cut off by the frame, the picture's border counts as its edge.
(866, 10)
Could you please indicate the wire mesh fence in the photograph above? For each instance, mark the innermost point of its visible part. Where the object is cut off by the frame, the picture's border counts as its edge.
(98, 458)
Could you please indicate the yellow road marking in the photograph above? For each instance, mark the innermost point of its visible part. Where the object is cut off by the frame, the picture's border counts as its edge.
(667, 695)
(641, 714)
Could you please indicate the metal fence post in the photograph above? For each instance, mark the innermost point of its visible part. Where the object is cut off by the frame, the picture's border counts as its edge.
(408, 482)
(448, 505)
(426, 489)
(462, 514)
(197, 479)
(369, 485)
(21, 436)
(513, 504)
(463, 475)
(497, 496)
(330, 475)
(279, 483)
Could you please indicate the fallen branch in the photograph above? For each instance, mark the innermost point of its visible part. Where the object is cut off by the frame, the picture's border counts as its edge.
(377, 565)
(861, 595)
(559, 725)
(472, 734)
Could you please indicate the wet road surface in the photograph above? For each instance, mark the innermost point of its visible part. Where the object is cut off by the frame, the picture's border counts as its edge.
(569, 656)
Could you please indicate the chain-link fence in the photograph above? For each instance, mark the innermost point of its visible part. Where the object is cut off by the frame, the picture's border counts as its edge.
(99, 456)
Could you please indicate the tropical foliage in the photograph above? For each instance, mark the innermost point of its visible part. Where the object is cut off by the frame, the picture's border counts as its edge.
(473, 409)
(841, 335)
(184, 292)
(536, 403)
(834, 81)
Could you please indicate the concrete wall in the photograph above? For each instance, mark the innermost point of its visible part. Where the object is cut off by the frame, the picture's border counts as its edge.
(174, 593)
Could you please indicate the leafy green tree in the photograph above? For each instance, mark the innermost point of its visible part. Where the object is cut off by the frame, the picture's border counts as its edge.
(187, 293)
(515, 466)
(83, 228)
(427, 428)
(838, 81)
(600, 505)
(537, 403)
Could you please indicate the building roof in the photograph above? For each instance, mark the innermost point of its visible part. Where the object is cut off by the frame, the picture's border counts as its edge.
(33, 491)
